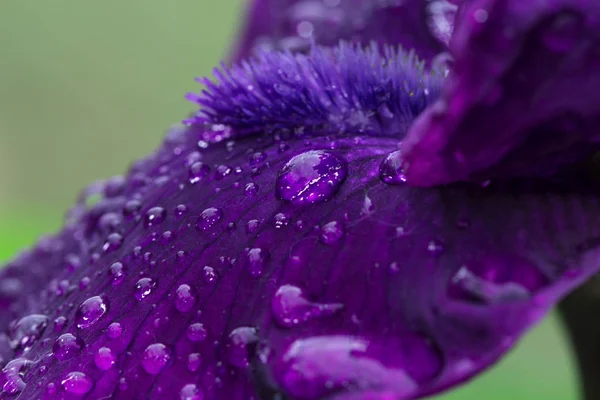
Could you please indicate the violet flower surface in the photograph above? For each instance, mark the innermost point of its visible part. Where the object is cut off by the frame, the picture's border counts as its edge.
(273, 249)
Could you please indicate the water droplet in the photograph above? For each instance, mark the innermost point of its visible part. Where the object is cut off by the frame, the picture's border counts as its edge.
(155, 358)
(113, 242)
(191, 392)
(391, 169)
(251, 189)
(155, 216)
(196, 332)
(193, 362)
(51, 389)
(210, 275)
(184, 298)
(252, 225)
(114, 330)
(77, 383)
(105, 358)
(256, 260)
(13, 374)
(59, 323)
(90, 311)
(493, 280)
(197, 171)
(27, 330)
(181, 210)
(311, 177)
(132, 208)
(67, 346)
(84, 282)
(290, 307)
(435, 247)
(238, 346)
(281, 220)
(222, 172)
(208, 218)
(144, 287)
(332, 232)
(117, 272)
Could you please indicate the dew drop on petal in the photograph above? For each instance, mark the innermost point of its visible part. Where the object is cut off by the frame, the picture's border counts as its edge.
(117, 273)
(154, 216)
(194, 361)
(184, 298)
(197, 171)
(331, 232)
(155, 358)
(256, 260)
(114, 330)
(311, 177)
(290, 307)
(210, 275)
(238, 346)
(144, 287)
(208, 218)
(90, 311)
(191, 392)
(104, 358)
(27, 330)
(391, 169)
(77, 383)
(67, 346)
(196, 332)
(251, 189)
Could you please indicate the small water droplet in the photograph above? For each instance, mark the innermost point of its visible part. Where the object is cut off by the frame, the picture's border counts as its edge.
(113, 242)
(238, 346)
(252, 225)
(67, 346)
(435, 247)
(209, 218)
(132, 208)
(193, 362)
(256, 260)
(114, 330)
(281, 220)
(184, 298)
(154, 216)
(77, 383)
(196, 332)
(251, 189)
(117, 273)
(191, 392)
(210, 275)
(290, 307)
(155, 358)
(105, 358)
(90, 311)
(181, 210)
(332, 232)
(144, 287)
(197, 171)
(59, 323)
(391, 169)
(311, 177)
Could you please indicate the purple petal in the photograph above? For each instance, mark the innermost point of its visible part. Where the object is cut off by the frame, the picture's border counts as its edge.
(523, 98)
(293, 24)
(231, 265)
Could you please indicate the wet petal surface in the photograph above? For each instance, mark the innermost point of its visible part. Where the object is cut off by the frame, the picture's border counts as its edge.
(522, 98)
(228, 290)
(293, 24)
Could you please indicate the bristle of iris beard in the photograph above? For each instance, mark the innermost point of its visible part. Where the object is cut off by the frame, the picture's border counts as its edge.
(347, 89)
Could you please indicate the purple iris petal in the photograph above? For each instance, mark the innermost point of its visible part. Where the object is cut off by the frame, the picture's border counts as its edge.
(287, 266)
(523, 96)
(293, 24)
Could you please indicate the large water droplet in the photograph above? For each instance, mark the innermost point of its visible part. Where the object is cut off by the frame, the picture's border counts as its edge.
(105, 358)
(496, 280)
(27, 330)
(12, 375)
(155, 358)
(208, 218)
(311, 177)
(90, 311)
(238, 346)
(391, 169)
(184, 298)
(290, 307)
(77, 383)
(144, 287)
(191, 392)
(67, 346)
(256, 260)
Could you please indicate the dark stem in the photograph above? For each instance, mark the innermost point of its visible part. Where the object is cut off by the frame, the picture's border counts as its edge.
(580, 312)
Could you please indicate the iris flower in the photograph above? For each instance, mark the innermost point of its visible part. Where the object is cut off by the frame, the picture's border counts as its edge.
(375, 201)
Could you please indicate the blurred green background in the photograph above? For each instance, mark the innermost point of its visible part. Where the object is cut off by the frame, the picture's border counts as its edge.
(88, 86)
